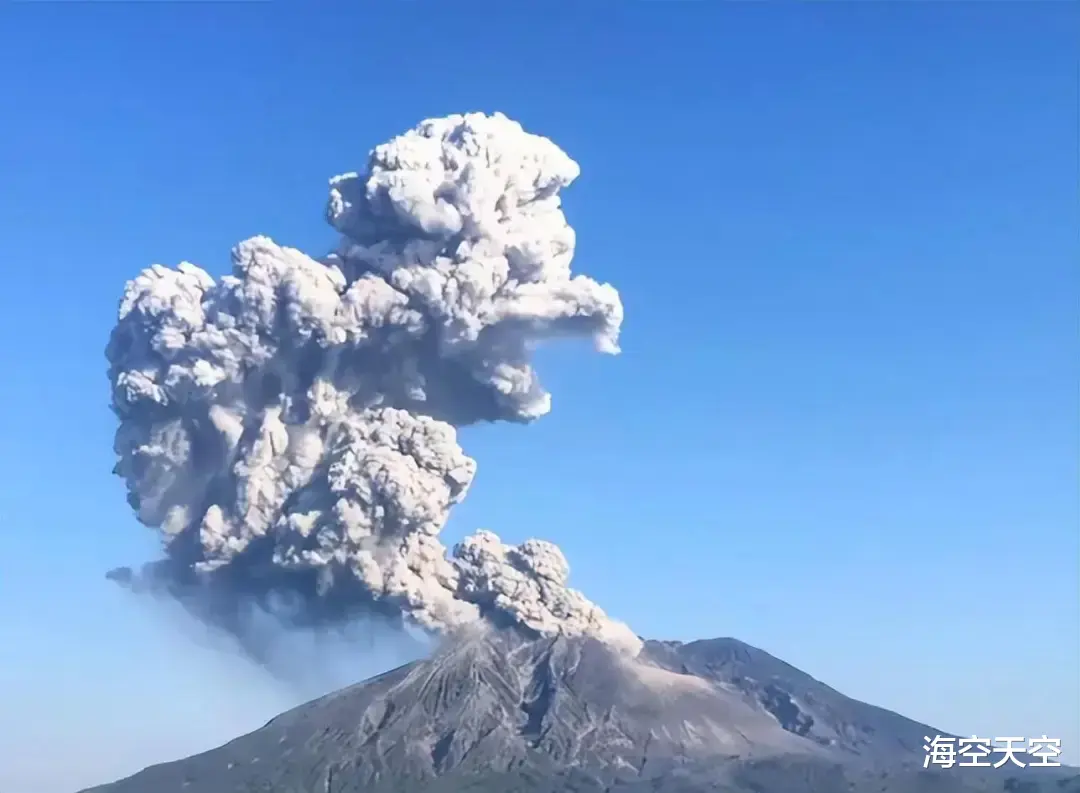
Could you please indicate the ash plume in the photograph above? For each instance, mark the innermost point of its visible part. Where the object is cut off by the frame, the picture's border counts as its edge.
(289, 429)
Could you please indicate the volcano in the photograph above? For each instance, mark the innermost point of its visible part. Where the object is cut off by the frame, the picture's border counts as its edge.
(499, 712)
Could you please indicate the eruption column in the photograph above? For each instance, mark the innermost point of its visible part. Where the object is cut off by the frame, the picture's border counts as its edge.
(290, 429)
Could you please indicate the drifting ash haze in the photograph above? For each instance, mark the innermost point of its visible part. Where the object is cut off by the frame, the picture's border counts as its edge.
(290, 429)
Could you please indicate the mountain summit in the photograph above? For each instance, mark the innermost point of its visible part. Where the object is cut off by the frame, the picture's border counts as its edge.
(501, 712)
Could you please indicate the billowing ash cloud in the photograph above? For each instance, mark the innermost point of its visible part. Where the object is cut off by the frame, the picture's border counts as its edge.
(290, 428)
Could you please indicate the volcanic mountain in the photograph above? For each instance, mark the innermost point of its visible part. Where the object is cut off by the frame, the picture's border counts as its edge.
(499, 712)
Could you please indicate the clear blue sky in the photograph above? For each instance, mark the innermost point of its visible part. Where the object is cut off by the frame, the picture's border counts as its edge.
(844, 427)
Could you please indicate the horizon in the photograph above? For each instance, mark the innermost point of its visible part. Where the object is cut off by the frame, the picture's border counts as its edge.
(843, 425)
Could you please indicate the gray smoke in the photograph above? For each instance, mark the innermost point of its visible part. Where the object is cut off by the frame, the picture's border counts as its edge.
(290, 429)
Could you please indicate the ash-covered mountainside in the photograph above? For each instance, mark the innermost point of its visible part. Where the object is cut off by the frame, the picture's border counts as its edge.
(499, 712)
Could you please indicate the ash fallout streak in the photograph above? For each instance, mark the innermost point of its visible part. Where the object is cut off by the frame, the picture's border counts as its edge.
(289, 429)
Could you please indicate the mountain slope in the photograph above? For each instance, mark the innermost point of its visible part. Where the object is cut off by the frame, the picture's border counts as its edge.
(797, 701)
(499, 712)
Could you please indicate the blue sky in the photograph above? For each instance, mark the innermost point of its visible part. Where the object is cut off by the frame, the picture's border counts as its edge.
(844, 426)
